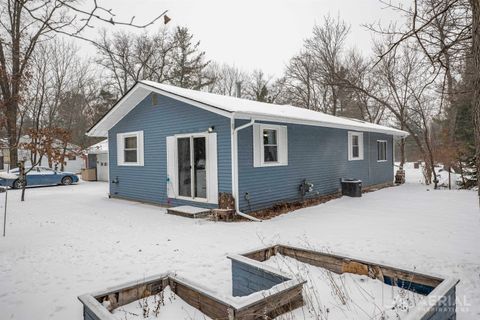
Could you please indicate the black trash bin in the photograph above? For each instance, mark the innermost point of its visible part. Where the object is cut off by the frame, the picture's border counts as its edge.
(351, 187)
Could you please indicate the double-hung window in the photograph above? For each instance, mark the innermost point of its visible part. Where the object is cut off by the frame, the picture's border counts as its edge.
(355, 145)
(381, 150)
(130, 148)
(270, 144)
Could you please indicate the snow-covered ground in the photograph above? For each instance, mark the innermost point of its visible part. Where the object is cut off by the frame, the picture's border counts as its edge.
(346, 296)
(66, 241)
(165, 305)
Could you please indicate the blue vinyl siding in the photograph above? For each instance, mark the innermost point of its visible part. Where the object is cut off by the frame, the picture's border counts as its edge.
(317, 154)
(248, 279)
(169, 117)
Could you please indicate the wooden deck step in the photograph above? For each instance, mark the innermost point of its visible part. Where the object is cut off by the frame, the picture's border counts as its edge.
(189, 211)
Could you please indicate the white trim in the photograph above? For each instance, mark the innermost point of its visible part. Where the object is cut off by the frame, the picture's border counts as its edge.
(129, 101)
(259, 116)
(142, 90)
(259, 147)
(351, 134)
(171, 154)
(210, 167)
(386, 144)
(121, 148)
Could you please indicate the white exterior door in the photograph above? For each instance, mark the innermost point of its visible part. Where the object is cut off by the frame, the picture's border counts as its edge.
(102, 167)
(192, 167)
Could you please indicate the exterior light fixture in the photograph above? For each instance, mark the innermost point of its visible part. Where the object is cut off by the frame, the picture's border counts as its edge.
(210, 129)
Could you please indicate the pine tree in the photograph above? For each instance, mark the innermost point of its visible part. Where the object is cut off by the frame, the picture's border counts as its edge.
(188, 62)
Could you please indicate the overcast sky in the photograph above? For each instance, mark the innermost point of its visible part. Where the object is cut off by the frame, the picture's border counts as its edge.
(253, 34)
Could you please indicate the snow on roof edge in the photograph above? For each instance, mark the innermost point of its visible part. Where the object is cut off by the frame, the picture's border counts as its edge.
(233, 107)
(287, 112)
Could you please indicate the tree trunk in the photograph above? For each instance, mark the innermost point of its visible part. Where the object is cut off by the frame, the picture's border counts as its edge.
(476, 80)
(402, 143)
(402, 152)
(23, 178)
(64, 151)
(12, 109)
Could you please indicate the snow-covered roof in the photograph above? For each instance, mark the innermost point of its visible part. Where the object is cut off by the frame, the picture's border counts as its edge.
(101, 147)
(232, 107)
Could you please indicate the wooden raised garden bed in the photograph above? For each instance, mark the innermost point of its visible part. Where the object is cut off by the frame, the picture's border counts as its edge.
(439, 301)
(263, 292)
(267, 300)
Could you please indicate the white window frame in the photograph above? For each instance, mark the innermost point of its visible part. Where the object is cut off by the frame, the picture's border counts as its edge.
(121, 148)
(352, 134)
(378, 154)
(259, 150)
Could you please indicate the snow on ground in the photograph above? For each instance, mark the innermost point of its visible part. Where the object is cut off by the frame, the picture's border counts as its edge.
(347, 296)
(67, 241)
(163, 306)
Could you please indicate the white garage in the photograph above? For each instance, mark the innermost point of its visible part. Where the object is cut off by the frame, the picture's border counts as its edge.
(98, 159)
(102, 167)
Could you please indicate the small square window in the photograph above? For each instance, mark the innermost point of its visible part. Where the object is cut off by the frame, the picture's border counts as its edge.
(130, 142)
(130, 156)
(130, 149)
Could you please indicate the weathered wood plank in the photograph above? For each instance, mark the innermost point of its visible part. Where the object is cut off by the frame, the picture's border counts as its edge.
(339, 264)
(211, 307)
(274, 304)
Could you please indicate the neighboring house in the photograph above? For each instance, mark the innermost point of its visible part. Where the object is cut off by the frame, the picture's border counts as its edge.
(73, 159)
(174, 146)
(97, 158)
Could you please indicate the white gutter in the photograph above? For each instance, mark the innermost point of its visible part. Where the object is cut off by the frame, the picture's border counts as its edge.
(234, 148)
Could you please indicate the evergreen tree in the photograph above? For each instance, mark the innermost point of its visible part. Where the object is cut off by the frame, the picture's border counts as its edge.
(189, 62)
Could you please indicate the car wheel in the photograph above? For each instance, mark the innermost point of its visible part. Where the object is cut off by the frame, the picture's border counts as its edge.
(67, 181)
(18, 184)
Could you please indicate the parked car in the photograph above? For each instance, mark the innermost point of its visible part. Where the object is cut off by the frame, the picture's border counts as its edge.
(38, 176)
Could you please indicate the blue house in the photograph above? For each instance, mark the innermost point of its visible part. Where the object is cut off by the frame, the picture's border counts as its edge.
(173, 146)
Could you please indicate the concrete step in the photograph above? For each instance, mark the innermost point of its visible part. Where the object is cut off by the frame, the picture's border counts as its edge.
(189, 211)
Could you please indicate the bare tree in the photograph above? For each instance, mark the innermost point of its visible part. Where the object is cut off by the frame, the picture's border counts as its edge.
(406, 82)
(260, 87)
(327, 46)
(225, 79)
(360, 105)
(24, 24)
(128, 57)
(445, 30)
(302, 87)
(57, 94)
(310, 77)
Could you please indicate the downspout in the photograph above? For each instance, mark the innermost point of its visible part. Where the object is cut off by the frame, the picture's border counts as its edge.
(234, 149)
(369, 158)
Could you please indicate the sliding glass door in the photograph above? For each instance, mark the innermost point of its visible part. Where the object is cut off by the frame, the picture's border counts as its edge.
(192, 167)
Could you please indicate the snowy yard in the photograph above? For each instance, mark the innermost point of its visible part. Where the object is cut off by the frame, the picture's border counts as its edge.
(66, 241)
